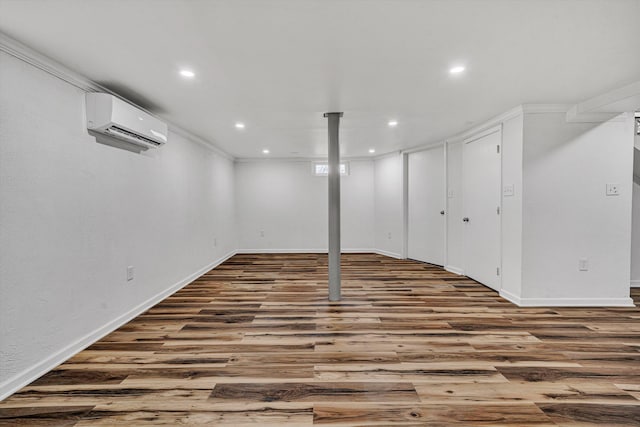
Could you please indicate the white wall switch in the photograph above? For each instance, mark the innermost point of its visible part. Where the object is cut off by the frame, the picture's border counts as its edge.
(450, 194)
(613, 189)
(508, 190)
(129, 273)
(583, 264)
(215, 241)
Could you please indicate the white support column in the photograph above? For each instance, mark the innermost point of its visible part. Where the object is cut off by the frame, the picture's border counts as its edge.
(334, 206)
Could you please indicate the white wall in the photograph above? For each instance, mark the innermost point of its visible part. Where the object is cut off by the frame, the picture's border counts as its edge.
(388, 183)
(635, 234)
(455, 230)
(282, 206)
(511, 216)
(75, 213)
(567, 215)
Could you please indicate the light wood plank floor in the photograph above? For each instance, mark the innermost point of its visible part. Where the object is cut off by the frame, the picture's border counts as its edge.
(255, 341)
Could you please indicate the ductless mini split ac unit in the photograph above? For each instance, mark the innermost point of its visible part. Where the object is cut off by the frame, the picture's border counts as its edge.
(113, 117)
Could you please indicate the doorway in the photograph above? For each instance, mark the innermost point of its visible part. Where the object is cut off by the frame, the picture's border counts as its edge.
(426, 206)
(481, 206)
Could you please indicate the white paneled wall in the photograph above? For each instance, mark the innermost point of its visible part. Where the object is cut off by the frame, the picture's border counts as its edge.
(512, 146)
(388, 205)
(282, 206)
(635, 233)
(75, 213)
(555, 210)
(455, 231)
(567, 214)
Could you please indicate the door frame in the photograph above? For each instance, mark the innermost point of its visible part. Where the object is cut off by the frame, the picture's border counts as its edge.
(481, 134)
(405, 198)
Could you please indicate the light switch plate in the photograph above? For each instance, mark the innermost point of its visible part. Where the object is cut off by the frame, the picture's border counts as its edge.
(613, 189)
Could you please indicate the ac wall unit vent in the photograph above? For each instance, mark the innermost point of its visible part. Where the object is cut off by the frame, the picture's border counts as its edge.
(111, 116)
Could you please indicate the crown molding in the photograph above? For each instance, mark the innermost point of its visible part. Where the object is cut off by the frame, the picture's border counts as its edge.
(423, 147)
(488, 124)
(54, 68)
(606, 106)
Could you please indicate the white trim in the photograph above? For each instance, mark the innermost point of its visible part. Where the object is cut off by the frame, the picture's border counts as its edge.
(510, 297)
(389, 154)
(606, 106)
(499, 119)
(545, 108)
(405, 205)
(445, 203)
(387, 253)
(455, 270)
(486, 132)
(608, 102)
(423, 147)
(320, 251)
(573, 116)
(567, 302)
(303, 251)
(29, 375)
(635, 283)
(36, 59)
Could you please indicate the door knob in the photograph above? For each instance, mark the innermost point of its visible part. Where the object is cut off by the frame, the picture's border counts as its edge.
(465, 219)
(441, 212)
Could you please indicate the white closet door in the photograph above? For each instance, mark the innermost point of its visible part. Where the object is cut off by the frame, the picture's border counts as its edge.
(481, 204)
(426, 192)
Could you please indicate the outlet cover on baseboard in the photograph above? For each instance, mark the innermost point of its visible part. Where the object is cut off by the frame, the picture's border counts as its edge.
(129, 273)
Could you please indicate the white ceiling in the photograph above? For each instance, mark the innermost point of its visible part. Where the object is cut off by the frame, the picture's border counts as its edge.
(277, 65)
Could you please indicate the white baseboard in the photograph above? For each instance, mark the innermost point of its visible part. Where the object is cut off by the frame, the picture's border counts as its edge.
(15, 383)
(319, 251)
(510, 297)
(566, 302)
(387, 253)
(454, 270)
(635, 283)
(302, 251)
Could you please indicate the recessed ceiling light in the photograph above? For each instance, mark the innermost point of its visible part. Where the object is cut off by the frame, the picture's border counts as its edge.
(393, 123)
(457, 69)
(187, 73)
(239, 125)
(372, 150)
(265, 151)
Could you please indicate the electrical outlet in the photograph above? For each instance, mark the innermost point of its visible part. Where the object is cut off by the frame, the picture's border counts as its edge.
(508, 190)
(129, 273)
(583, 264)
(613, 189)
(450, 194)
(389, 235)
(261, 233)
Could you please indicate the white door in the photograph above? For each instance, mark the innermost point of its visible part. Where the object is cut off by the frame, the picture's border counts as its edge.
(481, 204)
(426, 200)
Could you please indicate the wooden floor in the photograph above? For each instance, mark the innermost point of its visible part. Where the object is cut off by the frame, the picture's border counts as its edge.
(256, 342)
